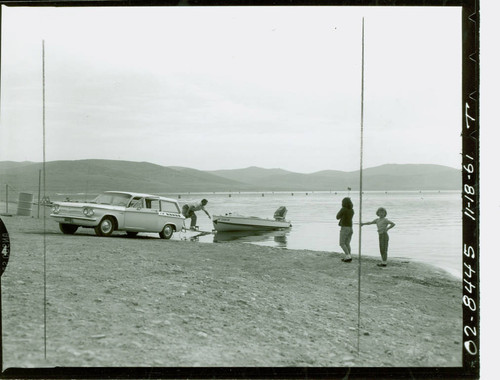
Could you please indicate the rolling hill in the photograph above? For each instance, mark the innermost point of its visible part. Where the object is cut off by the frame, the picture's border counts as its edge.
(93, 176)
(251, 174)
(385, 177)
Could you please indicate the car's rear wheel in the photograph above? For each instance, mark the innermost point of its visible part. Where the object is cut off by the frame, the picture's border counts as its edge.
(132, 233)
(167, 232)
(68, 229)
(105, 227)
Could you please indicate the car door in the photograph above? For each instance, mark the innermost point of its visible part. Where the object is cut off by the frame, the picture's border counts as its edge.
(141, 215)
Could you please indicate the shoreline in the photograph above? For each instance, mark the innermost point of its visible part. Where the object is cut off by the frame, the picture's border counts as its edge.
(453, 272)
(440, 254)
(456, 275)
(149, 302)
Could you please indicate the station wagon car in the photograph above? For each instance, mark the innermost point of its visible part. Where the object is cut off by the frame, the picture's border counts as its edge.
(120, 211)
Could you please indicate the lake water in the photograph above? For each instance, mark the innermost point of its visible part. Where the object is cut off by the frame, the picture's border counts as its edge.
(428, 223)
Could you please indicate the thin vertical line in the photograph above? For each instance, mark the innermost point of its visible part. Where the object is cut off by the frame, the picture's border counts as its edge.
(39, 187)
(361, 174)
(44, 211)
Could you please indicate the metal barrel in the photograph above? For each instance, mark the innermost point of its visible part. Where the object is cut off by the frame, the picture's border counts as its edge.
(25, 204)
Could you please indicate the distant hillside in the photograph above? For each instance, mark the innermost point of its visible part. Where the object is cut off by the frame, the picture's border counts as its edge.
(385, 177)
(412, 177)
(93, 176)
(13, 164)
(251, 174)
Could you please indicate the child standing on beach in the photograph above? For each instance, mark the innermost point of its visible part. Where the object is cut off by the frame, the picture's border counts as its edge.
(383, 225)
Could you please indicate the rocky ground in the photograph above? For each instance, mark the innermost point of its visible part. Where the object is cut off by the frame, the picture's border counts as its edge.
(144, 301)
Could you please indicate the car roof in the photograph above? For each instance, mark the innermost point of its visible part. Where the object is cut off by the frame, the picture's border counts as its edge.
(144, 195)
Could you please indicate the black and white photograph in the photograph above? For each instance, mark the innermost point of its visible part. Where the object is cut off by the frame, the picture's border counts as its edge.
(236, 187)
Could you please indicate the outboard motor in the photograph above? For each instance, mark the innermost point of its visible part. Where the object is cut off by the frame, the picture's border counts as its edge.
(280, 213)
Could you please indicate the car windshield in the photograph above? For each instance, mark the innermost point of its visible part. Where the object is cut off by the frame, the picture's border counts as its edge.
(116, 199)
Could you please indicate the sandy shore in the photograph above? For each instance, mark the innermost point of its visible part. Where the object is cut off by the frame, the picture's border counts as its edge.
(122, 301)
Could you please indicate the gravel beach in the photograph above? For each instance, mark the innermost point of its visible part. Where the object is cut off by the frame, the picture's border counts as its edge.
(144, 301)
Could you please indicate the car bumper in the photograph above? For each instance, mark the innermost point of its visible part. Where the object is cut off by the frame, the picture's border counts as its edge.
(76, 220)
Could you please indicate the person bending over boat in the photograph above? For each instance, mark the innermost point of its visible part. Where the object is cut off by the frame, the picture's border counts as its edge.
(345, 222)
(188, 210)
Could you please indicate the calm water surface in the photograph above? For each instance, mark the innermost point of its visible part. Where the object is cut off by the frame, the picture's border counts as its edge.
(428, 224)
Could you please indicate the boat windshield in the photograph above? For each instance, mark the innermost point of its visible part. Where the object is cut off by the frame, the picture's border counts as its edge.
(115, 199)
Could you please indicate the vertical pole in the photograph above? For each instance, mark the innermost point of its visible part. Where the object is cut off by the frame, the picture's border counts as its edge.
(361, 173)
(43, 214)
(39, 186)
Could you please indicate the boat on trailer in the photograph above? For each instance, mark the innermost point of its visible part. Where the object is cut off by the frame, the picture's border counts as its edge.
(236, 222)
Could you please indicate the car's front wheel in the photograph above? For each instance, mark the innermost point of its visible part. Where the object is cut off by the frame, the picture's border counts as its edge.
(105, 227)
(167, 232)
(68, 229)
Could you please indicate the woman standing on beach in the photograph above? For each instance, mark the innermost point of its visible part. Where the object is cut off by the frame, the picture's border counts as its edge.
(345, 222)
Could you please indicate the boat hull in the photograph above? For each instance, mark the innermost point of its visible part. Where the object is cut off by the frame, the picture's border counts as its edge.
(234, 223)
